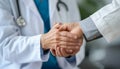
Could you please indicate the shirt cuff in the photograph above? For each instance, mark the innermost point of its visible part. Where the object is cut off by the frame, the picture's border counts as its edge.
(72, 60)
(44, 54)
(89, 29)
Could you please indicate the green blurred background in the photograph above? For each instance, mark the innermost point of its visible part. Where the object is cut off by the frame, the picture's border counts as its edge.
(87, 7)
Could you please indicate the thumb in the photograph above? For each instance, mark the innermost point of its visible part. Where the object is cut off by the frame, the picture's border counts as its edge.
(77, 31)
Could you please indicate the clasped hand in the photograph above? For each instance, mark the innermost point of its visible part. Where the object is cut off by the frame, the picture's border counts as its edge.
(63, 40)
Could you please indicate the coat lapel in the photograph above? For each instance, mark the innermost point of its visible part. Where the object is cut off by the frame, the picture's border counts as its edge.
(31, 5)
(52, 7)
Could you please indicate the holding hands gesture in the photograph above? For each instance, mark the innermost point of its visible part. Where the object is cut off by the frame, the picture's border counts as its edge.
(63, 40)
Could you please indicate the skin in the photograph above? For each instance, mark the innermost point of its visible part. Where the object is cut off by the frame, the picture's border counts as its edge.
(63, 40)
(75, 29)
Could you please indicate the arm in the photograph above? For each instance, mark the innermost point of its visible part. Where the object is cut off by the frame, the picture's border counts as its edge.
(89, 29)
(13, 46)
(77, 54)
(107, 20)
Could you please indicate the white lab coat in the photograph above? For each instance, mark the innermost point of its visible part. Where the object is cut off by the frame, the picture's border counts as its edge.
(20, 46)
(107, 20)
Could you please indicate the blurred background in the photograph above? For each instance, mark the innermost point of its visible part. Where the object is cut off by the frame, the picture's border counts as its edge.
(99, 54)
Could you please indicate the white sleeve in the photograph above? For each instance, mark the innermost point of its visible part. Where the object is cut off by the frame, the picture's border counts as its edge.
(13, 46)
(107, 20)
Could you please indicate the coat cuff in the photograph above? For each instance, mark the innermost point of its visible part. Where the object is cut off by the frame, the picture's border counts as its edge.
(89, 29)
(43, 57)
(44, 54)
(72, 60)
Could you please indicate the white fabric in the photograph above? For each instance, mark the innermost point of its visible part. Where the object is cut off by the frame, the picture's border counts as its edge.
(20, 46)
(107, 20)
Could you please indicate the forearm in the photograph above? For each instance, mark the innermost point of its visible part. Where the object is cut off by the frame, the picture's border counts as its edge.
(107, 20)
(17, 47)
(89, 29)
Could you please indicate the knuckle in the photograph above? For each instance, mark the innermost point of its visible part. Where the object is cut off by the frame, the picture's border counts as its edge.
(56, 37)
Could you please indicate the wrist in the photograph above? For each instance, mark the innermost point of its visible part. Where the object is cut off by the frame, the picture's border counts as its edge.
(43, 45)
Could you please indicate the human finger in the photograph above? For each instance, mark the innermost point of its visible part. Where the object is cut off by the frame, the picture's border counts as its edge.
(64, 52)
(70, 47)
(69, 51)
(53, 52)
(68, 34)
(58, 52)
(57, 26)
(68, 44)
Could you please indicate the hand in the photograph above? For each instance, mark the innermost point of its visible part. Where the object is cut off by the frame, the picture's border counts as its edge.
(72, 28)
(65, 52)
(61, 52)
(55, 38)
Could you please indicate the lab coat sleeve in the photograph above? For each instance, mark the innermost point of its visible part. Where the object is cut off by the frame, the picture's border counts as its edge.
(107, 20)
(13, 46)
(89, 29)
